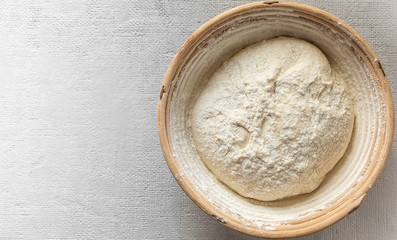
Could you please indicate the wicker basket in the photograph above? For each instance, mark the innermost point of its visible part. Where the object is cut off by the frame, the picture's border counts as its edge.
(345, 186)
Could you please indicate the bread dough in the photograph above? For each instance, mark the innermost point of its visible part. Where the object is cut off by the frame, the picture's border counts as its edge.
(273, 120)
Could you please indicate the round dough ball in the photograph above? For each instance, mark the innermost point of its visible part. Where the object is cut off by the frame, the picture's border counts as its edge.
(273, 120)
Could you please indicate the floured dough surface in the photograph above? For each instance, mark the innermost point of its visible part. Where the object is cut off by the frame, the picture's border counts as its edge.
(273, 120)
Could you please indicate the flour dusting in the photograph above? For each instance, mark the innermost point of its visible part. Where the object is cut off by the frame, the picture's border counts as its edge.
(273, 120)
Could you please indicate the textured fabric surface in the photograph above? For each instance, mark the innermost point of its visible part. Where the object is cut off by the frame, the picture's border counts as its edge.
(80, 155)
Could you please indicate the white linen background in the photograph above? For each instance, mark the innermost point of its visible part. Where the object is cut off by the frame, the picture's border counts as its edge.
(79, 151)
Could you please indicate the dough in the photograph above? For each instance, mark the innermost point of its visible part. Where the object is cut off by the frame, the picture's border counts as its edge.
(273, 120)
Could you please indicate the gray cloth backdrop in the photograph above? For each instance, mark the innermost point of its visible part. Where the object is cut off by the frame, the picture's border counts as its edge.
(79, 152)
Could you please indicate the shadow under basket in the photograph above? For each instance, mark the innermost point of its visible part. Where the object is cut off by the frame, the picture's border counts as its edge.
(345, 187)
